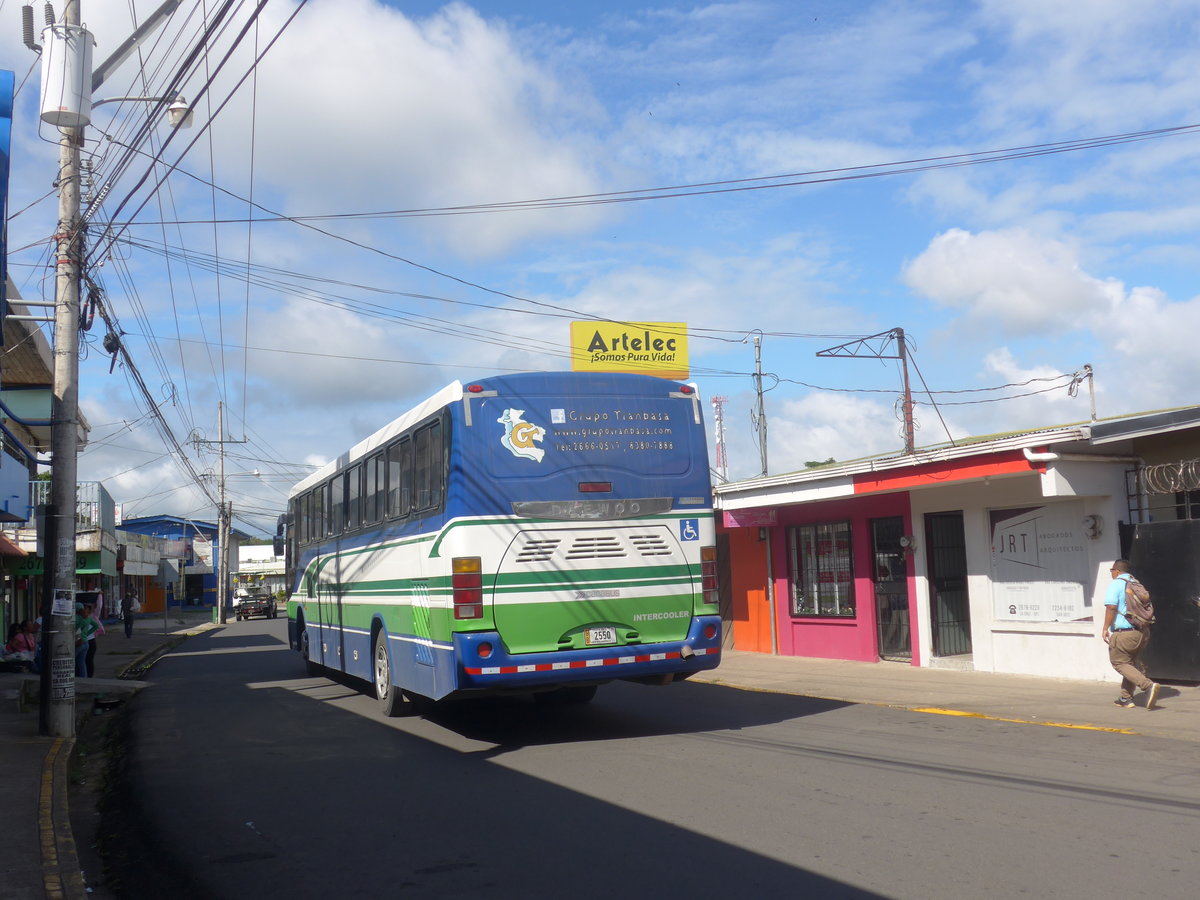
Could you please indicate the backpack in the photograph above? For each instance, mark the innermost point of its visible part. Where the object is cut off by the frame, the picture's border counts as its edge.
(1138, 608)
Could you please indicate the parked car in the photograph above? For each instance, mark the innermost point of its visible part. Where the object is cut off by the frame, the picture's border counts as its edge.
(254, 603)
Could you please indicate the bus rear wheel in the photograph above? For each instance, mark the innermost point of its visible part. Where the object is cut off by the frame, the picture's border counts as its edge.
(392, 700)
(310, 667)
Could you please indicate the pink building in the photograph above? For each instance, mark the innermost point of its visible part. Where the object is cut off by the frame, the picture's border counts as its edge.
(990, 554)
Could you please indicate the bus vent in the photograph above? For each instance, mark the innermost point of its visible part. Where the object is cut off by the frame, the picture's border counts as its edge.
(602, 547)
(538, 550)
(650, 544)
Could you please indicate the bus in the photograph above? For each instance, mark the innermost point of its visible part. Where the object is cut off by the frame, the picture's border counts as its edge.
(538, 532)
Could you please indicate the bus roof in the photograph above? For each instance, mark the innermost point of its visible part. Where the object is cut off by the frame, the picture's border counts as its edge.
(448, 394)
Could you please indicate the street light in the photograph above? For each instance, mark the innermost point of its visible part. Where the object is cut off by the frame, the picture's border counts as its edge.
(179, 113)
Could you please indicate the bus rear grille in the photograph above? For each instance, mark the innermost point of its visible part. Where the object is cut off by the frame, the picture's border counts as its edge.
(602, 547)
(650, 544)
(538, 550)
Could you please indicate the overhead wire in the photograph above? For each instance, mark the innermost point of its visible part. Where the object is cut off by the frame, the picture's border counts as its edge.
(763, 182)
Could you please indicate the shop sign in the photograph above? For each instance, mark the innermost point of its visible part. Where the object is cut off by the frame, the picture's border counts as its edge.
(647, 348)
(1040, 564)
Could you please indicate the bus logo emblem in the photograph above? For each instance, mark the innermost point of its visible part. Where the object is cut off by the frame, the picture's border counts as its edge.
(519, 435)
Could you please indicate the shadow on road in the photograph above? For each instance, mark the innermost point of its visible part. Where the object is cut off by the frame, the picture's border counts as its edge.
(238, 781)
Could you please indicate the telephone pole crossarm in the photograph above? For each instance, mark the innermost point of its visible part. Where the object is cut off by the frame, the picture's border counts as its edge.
(877, 345)
(850, 349)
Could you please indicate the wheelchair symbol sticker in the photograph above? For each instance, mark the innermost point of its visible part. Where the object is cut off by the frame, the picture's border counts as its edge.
(689, 529)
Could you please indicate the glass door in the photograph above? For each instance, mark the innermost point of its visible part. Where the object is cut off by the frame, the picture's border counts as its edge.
(890, 575)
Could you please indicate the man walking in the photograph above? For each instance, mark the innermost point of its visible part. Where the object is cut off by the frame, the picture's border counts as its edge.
(128, 602)
(1126, 642)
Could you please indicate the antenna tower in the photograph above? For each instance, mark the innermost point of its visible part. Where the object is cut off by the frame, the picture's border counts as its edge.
(721, 459)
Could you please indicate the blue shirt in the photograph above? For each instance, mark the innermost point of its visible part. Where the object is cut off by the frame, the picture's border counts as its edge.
(1115, 596)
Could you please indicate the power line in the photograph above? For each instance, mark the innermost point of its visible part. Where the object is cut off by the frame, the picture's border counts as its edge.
(763, 182)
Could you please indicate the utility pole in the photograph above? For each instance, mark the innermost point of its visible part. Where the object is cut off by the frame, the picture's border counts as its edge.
(910, 441)
(224, 515)
(222, 524)
(760, 412)
(64, 438)
(68, 82)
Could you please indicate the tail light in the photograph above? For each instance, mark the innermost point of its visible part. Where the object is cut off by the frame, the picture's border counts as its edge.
(466, 583)
(708, 574)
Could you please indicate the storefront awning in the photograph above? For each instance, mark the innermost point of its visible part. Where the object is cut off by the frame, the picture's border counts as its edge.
(9, 548)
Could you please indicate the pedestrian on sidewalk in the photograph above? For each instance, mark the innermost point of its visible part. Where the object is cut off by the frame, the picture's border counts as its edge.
(127, 604)
(1125, 641)
(85, 631)
(97, 631)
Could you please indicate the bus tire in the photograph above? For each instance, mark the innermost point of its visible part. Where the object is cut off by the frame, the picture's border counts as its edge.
(392, 700)
(310, 667)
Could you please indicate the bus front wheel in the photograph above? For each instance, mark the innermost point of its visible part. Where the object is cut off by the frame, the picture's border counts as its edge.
(392, 700)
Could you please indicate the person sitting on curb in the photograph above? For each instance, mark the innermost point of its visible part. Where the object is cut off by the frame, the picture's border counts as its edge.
(23, 639)
(21, 650)
(1125, 641)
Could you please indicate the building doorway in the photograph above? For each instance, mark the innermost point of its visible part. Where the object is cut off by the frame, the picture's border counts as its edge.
(949, 605)
(890, 577)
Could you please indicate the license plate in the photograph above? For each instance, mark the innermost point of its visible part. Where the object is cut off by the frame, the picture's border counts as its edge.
(606, 635)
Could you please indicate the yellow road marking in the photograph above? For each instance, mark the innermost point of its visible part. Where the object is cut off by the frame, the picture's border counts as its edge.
(970, 715)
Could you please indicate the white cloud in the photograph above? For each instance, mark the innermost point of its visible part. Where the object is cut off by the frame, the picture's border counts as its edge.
(346, 365)
(1010, 281)
(823, 425)
(397, 113)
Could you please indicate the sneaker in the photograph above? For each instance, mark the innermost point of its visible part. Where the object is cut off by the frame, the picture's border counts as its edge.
(1152, 696)
(1124, 702)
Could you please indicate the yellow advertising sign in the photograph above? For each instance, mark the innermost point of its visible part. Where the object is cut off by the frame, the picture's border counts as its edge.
(647, 348)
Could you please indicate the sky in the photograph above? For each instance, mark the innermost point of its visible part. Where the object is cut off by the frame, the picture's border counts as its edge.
(800, 173)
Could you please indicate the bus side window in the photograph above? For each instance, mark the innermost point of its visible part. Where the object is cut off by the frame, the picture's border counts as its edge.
(337, 503)
(316, 525)
(372, 488)
(406, 477)
(421, 468)
(354, 497)
(437, 465)
(397, 500)
(301, 514)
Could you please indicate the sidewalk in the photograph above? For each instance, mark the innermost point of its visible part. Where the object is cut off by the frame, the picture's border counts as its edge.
(33, 791)
(1019, 698)
(39, 855)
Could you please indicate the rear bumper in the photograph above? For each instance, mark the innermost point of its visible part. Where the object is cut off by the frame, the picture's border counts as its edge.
(500, 670)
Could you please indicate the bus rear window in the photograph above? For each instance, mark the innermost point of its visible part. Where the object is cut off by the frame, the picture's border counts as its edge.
(532, 436)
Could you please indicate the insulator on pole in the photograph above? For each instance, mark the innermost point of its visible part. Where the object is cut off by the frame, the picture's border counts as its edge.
(27, 29)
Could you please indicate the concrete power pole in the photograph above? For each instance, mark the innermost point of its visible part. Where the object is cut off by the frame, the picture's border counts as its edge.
(58, 719)
(68, 82)
(222, 526)
(759, 416)
(224, 515)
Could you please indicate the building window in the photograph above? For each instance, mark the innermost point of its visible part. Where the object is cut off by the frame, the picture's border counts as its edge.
(1187, 504)
(819, 570)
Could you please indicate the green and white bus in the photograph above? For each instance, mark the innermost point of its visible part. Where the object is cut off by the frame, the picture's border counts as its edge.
(542, 532)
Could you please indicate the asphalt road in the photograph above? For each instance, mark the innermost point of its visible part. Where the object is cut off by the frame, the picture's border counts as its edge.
(245, 778)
